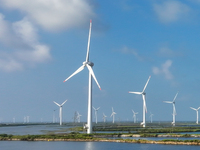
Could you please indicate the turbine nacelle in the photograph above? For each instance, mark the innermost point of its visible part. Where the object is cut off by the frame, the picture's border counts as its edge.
(88, 63)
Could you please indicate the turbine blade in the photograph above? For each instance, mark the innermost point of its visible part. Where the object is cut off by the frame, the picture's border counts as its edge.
(146, 84)
(88, 46)
(92, 73)
(77, 71)
(112, 109)
(98, 108)
(175, 96)
(111, 115)
(139, 93)
(63, 103)
(56, 103)
(167, 102)
(194, 108)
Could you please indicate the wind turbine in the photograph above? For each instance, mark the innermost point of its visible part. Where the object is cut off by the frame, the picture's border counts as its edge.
(174, 109)
(79, 117)
(60, 113)
(197, 110)
(96, 110)
(144, 102)
(104, 117)
(89, 65)
(113, 115)
(134, 115)
(151, 115)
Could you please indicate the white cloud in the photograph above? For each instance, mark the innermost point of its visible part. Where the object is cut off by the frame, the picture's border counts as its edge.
(171, 11)
(8, 64)
(53, 15)
(25, 30)
(164, 70)
(20, 46)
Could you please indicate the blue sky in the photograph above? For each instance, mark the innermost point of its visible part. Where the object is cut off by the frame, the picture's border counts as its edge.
(43, 42)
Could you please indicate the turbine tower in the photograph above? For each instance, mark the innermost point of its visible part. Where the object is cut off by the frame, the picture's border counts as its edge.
(174, 109)
(60, 113)
(144, 102)
(104, 117)
(89, 65)
(134, 116)
(197, 110)
(113, 115)
(96, 110)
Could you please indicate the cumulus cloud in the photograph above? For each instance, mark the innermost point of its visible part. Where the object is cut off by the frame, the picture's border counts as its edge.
(20, 46)
(9, 64)
(53, 15)
(19, 40)
(171, 11)
(164, 70)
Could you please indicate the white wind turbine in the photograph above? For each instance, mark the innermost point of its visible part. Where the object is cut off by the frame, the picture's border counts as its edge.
(79, 117)
(134, 116)
(60, 113)
(174, 109)
(113, 115)
(96, 110)
(151, 115)
(197, 110)
(104, 117)
(144, 102)
(89, 65)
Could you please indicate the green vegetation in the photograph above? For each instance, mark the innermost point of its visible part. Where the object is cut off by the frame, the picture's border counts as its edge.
(173, 140)
(139, 129)
(50, 136)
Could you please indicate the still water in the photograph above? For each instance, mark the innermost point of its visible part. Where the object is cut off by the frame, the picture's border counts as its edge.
(33, 129)
(45, 145)
(22, 145)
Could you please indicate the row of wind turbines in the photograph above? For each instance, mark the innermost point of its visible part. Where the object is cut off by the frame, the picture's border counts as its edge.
(89, 66)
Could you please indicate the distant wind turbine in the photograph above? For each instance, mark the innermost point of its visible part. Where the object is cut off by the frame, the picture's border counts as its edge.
(79, 117)
(104, 117)
(89, 65)
(13, 119)
(174, 109)
(144, 102)
(113, 115)
(60, 113)
(134, 116)
(96, 110)
(197, 110)
(151, 115)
